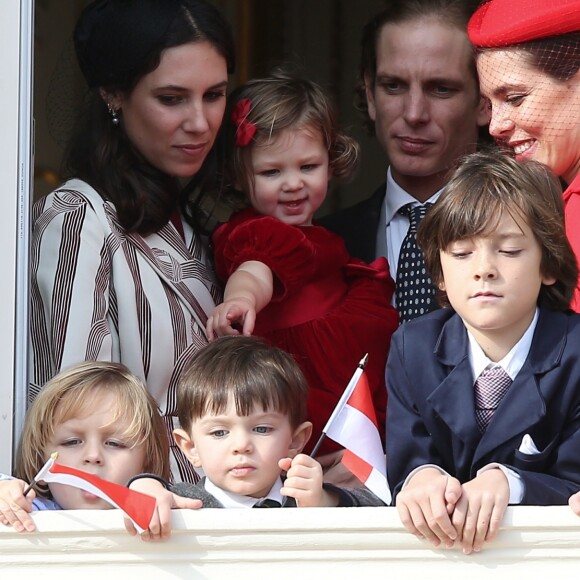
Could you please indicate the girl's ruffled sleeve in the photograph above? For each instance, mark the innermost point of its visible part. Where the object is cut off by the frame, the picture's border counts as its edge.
(284, 249)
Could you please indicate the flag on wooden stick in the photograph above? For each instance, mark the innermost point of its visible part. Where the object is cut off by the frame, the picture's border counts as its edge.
(353, 424)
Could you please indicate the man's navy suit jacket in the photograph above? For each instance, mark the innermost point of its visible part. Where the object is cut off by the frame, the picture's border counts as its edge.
(431, 416)
(358, 225)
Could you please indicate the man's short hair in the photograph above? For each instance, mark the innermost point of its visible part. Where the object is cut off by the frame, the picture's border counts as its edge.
(454, 12)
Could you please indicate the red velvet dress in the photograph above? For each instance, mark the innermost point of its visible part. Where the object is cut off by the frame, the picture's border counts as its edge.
(327, 309)
(572, 211)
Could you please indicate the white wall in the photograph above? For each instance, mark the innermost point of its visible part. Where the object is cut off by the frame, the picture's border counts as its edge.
(14, 167)
(323, 543)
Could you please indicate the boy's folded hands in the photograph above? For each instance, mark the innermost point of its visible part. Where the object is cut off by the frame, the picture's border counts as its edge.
(435, 506)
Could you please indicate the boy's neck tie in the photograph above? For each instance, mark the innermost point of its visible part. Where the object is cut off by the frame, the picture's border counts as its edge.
(490, 388)
(267, 503)
(415, 292)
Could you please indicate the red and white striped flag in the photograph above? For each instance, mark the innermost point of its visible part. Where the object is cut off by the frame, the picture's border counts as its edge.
(138, 506)
(353, 424)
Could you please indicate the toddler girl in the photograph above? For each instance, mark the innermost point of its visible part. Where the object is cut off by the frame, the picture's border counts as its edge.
(288, 280)
(100, 419)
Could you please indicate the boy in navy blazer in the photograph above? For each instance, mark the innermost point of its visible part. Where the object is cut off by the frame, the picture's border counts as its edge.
(461, 446)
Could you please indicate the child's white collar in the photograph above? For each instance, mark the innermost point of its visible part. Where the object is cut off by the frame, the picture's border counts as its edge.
(233, 500)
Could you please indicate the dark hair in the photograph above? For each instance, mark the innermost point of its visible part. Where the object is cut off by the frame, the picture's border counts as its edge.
(556, 56)
(246, 368)
(485, 186)
(453, 12)
(117, 43)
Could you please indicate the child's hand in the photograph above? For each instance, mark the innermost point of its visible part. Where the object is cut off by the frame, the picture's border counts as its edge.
(15, 508)
(160, 524)
(480, 510)
(426, 503)
(304, 482)
(574, 503)
(238, 311)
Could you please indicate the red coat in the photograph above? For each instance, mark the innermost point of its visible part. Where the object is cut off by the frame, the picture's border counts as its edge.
(572, 213)
(327, 310)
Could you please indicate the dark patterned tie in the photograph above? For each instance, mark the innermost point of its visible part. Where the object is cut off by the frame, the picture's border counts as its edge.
(267, 503)
(490, 388)
(415, 292)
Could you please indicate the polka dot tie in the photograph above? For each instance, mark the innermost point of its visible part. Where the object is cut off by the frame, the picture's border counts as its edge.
(415, 292)
(490, 388)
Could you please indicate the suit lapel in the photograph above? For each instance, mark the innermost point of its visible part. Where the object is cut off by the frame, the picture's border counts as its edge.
(522, 407)
(525, 402)
(374, 234)
(362, 240)
(453, 400)
(358, 225)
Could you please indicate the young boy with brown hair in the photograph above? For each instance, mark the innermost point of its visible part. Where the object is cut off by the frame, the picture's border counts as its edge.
(491, 415)
(242, 408)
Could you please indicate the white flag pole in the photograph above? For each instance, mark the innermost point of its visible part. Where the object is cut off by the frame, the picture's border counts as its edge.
(343, 399)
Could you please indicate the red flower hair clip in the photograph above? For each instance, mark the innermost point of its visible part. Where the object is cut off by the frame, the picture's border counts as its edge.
(245, 130)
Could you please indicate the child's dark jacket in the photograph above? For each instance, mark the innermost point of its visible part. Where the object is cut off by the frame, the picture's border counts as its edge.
(347, 497)
(431, 417)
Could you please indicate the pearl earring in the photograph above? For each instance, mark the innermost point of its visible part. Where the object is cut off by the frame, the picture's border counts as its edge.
(113, 113)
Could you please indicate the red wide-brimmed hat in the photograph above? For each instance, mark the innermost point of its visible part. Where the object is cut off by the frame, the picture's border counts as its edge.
(505, 22)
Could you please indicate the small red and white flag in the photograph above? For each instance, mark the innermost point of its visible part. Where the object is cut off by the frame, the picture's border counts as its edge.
(138, 506)
(353, 424)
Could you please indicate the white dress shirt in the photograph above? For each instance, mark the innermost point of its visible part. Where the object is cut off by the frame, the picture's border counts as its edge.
(511, 363)
(234, 500)
(393, 226)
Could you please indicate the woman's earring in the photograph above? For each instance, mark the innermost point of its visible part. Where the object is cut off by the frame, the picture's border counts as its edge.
(113, 113)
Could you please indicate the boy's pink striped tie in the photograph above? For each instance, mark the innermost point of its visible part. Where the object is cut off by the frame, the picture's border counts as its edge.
(490, 388)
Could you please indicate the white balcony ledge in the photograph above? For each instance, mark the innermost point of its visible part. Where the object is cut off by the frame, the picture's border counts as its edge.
(300, 544)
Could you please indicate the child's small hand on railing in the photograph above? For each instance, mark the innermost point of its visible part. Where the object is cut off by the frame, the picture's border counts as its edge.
(15, 508)
(574, 503)
(160, 524)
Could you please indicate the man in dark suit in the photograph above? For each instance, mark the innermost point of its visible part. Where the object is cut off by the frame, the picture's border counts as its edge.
(419, 90)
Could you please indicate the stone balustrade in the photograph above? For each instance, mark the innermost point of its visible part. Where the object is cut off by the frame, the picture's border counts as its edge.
(535, 542)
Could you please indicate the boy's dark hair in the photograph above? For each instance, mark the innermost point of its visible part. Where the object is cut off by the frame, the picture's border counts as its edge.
(453, 12)
(246, 368)
(117, 43)
(483, 187)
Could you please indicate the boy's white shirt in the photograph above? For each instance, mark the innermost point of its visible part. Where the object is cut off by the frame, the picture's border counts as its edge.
(511, 363)
(234, 500)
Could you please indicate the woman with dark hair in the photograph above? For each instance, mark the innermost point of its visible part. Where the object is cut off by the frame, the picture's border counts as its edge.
(119, 268)
(528, 57)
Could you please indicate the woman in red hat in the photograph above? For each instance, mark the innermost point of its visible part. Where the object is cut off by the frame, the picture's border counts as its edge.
(528, 61)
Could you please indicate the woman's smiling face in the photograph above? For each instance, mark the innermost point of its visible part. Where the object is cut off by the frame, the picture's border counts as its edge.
(532, 113)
